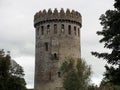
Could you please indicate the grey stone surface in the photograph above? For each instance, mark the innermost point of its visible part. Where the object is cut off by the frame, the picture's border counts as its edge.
(55, 41)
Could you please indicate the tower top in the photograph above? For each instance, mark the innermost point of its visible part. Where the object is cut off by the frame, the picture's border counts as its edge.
(55, 15)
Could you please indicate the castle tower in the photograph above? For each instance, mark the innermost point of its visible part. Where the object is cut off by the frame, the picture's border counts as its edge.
(57, 37)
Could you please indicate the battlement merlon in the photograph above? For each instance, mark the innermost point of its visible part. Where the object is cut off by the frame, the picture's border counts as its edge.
(67, 16)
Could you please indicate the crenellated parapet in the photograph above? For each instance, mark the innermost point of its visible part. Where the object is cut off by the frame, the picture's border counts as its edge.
(49, 16)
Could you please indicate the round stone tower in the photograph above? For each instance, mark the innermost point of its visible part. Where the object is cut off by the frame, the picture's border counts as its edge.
(57, 37)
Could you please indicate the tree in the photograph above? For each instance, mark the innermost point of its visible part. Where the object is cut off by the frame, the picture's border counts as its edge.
(76, 75)
(111, 77)
(93, 87)
(111, 35)
(111, 39)
(11, 76)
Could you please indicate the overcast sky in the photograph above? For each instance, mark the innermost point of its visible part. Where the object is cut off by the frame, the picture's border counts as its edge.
(17, 33)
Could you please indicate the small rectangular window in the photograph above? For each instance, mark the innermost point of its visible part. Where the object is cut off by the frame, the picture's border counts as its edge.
(69, 29)
(46, 46)
(55, 28)
(75, 30)
(42, 30)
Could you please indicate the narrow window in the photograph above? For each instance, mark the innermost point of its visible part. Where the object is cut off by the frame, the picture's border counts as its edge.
(55, 28)
(46, 46)
(59, 74)
(62, 28)
(69, 30)
(78, 32)
(75, 30)
(48, 29)
(42, 30)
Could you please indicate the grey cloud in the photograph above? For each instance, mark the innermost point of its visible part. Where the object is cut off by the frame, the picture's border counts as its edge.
(28, 64)
(18, 36)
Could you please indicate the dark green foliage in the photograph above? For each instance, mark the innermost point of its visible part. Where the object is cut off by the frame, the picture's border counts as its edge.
(93, 87)
(76, 75)
(111, 76)
(117, 4)
(16, 83)
(71, 81)
(11, 77)
(111, 35)
(4, 64)
(109, 86)
(111, 39)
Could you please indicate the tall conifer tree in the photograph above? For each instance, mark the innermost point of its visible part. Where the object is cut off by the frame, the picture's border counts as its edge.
(111, 39)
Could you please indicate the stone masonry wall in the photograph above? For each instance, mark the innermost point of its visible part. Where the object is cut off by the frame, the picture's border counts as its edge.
(57, 37)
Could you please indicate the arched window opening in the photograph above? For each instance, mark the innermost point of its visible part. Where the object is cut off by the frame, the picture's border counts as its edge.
(69, 29)
(55, 55)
